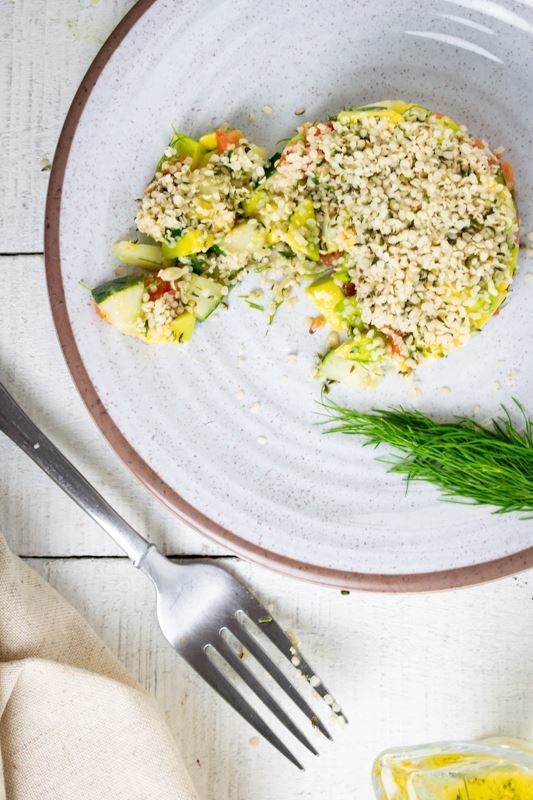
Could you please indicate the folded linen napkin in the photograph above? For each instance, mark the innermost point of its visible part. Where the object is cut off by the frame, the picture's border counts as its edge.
(74, 725)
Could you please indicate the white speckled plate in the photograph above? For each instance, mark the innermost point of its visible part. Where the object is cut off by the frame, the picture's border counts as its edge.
(307, 504)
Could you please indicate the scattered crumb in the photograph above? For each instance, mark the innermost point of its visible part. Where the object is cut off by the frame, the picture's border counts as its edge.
(498, 386)
(36, 446)
(240, 395)
(328, 699)
(255, 741)
(295, 661)
(314, 680)
(529, 276)
(45, 165)
(261, 440)
(291, 358)
(300, 111)
(251, 116)
(336, 708)
(511, 377)
(268, 110)
(294, 639)
(255, 408)
(499, 151)
(445, 390)
(476, 409)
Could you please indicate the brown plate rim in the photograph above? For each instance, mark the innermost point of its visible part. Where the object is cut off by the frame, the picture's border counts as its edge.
(415, 582)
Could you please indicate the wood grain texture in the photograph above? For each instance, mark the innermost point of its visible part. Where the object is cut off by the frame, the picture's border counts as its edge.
(45, 49)
(37, 518)
(407, 669)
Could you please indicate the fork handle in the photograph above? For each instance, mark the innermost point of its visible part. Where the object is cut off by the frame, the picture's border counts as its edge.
(23, 432)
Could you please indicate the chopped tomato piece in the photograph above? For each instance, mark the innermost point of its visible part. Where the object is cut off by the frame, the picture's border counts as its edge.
(329, 259)
(508, 173)
(98, 311)
(395, 340)
(437, 115)
(160, 288)
(227, 139)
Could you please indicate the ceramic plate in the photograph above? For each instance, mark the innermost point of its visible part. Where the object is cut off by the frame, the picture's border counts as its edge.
(180, 417)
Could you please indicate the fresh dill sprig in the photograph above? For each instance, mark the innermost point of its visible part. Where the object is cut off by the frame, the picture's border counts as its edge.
(466, 461)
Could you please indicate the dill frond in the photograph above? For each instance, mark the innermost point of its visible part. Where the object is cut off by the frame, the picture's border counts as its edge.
(466, 461)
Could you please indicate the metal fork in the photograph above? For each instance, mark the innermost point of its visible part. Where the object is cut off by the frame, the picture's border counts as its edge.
(197, 603)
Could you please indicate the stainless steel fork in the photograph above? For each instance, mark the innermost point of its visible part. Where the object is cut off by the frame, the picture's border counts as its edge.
(200, 606)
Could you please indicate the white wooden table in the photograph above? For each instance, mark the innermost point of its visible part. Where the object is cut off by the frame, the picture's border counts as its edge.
(406, 668)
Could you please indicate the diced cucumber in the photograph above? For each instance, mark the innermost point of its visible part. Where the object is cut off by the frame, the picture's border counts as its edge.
(350, 117)
(185, 147)
(302, 233)
(191, 242)
(326, 295)
(366, 347)
(183, 326)
(181, 329)
(119, 302)
(206, 294)
(147, 256)
(338, 370)
(255, 203)
(247, 237)
(209, 141)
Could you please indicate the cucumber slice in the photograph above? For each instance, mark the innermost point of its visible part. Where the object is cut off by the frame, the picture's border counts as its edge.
(337, 370)
(147, 256)
(327, 295)
(302, 234)
(366, 347)
(181, 329)
(245, 238)
(119, 302)
(192, 241)
(185, 147)
(349, 117)
(207, 295)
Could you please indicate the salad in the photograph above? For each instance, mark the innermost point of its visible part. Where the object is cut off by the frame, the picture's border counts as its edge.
(401, 224)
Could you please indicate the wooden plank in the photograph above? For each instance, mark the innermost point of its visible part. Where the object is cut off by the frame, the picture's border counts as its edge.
(35, 515)
(46, 47)
(407, 669)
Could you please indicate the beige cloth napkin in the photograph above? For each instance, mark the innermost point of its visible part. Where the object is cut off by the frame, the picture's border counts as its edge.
(74, 725)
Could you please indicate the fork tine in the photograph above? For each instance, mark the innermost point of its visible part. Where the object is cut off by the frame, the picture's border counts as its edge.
(288, 687)
(251, 681)
(214, 677)
(279, 638)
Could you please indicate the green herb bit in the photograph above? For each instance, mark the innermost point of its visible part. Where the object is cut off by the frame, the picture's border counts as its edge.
(198, 266)
(264, 620)
(216, 250)
(314, 721)
(316, 180)
(469, 463)
(271, 165)
(171, 234)
(345, 592)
